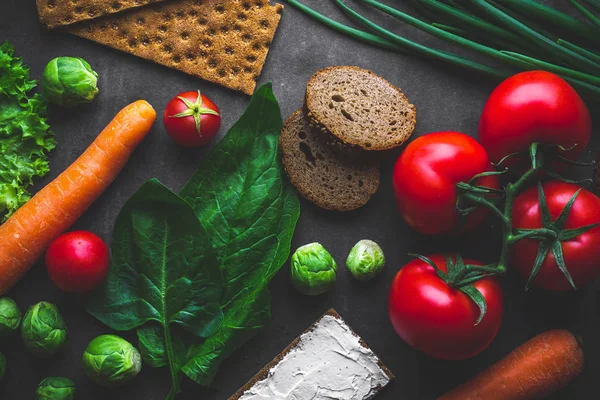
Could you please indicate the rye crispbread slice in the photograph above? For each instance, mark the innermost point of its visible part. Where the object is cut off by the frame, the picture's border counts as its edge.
(358, 110)
(55, 13)
(263, 373)
(320, 174)
(225, 42)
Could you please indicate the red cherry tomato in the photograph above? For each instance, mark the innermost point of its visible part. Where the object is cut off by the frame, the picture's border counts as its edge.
(534, 106)
(580, 253)
(439, 320)
(77, 262)
(192, 119)
(425, 178)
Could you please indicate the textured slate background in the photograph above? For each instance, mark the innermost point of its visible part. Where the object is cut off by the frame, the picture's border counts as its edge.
(445, 99)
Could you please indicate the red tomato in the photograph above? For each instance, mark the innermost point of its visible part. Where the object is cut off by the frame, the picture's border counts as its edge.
(425, 178)
(581, 254)
(439, 320)
(192, 119)
(534, 106)
(77, 262)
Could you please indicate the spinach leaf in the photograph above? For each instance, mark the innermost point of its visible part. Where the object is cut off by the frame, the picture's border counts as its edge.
(163, 270)
(243, 200)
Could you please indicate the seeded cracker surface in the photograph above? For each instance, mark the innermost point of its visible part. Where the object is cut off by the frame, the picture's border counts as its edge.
(55, 13)
(225, 42)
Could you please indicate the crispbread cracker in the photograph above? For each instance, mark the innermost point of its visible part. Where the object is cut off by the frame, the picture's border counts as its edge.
(225, 42)
(55, 13)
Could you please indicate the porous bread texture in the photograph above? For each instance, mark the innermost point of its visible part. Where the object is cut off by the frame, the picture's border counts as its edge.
(321, 175)
(55, 13)
(357, 110)
(225, 42)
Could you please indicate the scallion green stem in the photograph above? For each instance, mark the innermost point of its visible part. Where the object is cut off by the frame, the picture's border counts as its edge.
(521, 18)
(592, 80)
(451, 29)
(542, 12)
(578, 49)
(595, 4)
(459, 17)
(568, 56)
(442, 34)
(420, 49)
(586, 13)
(349, 31)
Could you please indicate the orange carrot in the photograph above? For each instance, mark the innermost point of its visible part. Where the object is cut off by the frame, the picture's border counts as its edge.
(532, 371)
(25, 236)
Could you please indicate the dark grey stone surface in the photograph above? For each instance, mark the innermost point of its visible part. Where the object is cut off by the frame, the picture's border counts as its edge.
(446, 100)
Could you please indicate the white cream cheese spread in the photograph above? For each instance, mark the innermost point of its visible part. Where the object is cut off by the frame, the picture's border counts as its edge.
(328, 363)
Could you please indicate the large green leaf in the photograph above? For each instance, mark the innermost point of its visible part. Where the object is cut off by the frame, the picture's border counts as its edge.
(163, 270)
(163, 267)
(250, 212)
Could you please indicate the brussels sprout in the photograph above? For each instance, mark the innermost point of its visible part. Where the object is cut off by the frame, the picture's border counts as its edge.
(365, 260)
(2, 366)
(69, 81)
(55, 388)
(43, 330)
(10, 316)
(111, 361)
(313, 269)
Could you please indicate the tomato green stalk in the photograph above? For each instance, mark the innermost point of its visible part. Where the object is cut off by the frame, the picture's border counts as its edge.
(461, 276)
(552, 232)
(195, 110)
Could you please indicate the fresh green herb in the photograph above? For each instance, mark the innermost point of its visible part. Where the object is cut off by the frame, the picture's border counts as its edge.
(25, 138)
(192, 272)
(494, 28)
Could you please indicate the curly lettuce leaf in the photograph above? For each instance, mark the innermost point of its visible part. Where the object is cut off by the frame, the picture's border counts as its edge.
(25, 137)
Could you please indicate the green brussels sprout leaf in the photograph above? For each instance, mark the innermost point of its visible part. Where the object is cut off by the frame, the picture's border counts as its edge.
(55, 388)
(10, 316)
(313, 269)
(111, 361)
(366, 260)
(43, 330)
(69, 81)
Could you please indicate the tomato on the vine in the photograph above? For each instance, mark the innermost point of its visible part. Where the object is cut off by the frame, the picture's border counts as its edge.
(534, 106)
(192, 119)
(579, 248)
(440, 320)
(425, 179)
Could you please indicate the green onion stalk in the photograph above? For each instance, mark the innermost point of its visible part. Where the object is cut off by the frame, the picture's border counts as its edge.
(504, 30)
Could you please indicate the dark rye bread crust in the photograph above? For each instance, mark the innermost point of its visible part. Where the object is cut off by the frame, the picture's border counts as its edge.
(321, 175)
(262, 374)
(357, 110)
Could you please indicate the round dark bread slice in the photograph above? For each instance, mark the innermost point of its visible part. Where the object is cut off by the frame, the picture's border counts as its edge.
(358, 110)
(321, 175)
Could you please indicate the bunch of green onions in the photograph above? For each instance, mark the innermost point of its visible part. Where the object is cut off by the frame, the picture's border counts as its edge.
(521, 34)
